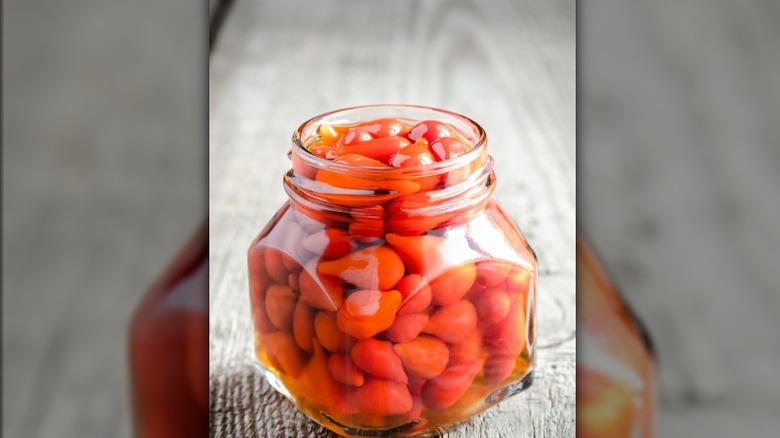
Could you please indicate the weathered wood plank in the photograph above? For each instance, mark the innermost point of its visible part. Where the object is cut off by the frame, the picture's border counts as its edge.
(508, 65)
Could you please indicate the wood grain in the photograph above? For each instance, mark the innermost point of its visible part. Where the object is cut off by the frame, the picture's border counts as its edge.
(508, 65)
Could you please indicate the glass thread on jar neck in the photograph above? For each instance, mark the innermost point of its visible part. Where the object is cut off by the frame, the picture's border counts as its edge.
(472, 173)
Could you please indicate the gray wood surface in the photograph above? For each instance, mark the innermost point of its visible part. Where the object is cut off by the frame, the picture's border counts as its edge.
(679, 166)
(508, 65)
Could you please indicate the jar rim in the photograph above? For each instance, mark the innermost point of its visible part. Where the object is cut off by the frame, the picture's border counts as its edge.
(473, 132)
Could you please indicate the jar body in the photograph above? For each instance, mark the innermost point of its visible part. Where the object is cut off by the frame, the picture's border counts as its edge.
(393, 312)
(460, 338)
(616, 370)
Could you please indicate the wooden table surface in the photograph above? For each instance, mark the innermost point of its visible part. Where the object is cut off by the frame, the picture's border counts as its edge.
(508, 65)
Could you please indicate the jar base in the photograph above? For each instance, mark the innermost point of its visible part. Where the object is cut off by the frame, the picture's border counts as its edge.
(406, 429)
(355, 432)
(492, 399)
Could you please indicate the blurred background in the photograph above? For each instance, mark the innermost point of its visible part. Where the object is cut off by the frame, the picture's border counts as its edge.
(104, 161)
(678, 180)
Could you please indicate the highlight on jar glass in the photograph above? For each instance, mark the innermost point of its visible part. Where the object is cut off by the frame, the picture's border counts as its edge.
(616, 370)
(391, 294)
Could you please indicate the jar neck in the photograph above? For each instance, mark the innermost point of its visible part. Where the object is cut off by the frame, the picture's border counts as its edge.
(339, 192)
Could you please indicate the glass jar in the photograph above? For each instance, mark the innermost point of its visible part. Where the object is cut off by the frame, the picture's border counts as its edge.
(169, 349)
(616, 372)
(392, 300)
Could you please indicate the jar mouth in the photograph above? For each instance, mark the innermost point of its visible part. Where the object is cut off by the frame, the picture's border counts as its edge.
(468, 128)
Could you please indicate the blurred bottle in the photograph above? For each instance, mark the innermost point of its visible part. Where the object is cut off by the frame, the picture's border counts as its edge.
(616, 368)
(169, 348)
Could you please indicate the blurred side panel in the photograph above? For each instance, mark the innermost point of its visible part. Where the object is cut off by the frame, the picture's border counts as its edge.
(679, 173)
(104, 178)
